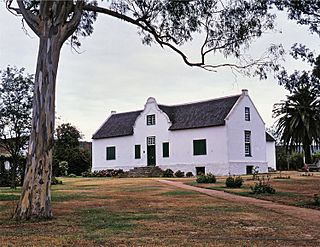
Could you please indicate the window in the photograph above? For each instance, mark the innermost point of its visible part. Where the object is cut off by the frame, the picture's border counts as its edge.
(165, 149)
(200, 147)
(151, 140)
(200, 170)
(247, 143)
(151, 119)
(247, 113)
(111, 153)
(137, 151)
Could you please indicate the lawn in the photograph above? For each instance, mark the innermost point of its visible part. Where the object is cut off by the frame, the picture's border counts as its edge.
(298, 190)
(144, 212)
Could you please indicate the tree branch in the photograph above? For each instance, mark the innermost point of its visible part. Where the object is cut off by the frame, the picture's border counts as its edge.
(32, 20)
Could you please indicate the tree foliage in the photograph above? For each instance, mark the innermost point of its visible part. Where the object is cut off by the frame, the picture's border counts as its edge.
(67, 149)
(226, 27)
(305, 12)
(16, 91)
(299, 118)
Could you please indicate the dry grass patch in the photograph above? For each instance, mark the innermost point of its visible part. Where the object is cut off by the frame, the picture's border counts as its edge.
(296, 191)
(144, 212)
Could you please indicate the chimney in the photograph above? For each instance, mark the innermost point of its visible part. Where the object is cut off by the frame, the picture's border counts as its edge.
(245, 92)
(113, 112)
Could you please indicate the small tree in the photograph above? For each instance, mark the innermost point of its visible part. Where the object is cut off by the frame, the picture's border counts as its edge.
(16, 91)
(67, 149)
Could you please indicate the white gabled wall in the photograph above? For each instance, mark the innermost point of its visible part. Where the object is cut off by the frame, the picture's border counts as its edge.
(236, 125)
(225, 144)
(271, 155)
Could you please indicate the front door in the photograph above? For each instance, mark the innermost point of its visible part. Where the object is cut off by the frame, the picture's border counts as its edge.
(151, 151)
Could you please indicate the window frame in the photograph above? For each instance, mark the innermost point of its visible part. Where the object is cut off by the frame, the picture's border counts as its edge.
(111, 153)
(198, 150)
(247, 114)
(151, 119)
(151, 140)
(165, 149)
(137, 151)
(247, 143)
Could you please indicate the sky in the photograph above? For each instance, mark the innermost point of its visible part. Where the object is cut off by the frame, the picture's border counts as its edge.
(115, 72)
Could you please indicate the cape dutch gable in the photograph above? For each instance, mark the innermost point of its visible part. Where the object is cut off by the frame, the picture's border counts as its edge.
(223, 136)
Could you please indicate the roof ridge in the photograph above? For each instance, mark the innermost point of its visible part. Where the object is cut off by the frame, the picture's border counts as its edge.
(126, 112)
(202, 101)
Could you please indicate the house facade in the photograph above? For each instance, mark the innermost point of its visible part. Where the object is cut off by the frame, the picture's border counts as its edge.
(222, 136)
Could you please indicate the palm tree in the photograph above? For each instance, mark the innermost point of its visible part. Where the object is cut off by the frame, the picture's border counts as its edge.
(299, 119)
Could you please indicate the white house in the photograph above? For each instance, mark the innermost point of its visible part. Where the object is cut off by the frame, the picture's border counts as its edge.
(222, 136)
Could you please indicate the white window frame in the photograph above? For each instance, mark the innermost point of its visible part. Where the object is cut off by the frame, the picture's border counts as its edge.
(247, 143)
(151, 119)
(247, 115)
(151, 140)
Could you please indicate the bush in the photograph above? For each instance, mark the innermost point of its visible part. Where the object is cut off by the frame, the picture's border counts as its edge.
(63, 166)
(104, 173)
(316, 200)
(316, 157)
(55, 181)
(296, 161)
(86, 174)
(263, 186)
(207, 179)
(189, 174)
(168, 173)
(234, 182)
(179, 174)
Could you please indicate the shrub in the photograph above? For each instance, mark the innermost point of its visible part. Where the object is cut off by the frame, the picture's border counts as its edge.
(316, 199)
(179, 174)
(316, 157)
(207, 179)
(189, 174)
(168, 173)
(234, 182)
(263, 186)
(63, 166)
(296, 161)
(86, 174)
(55, 181)
(229, 182)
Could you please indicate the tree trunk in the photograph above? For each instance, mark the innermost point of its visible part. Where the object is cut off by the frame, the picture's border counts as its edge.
(307, 153)
(35, 200)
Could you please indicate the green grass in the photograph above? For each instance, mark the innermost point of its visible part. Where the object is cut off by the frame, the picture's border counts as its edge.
(138, 189)
(99, 222)
(8, 190)
(9, 197)
(61, 197)
(179, 193)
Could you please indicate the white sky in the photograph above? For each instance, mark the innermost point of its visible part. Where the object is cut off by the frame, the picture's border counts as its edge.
(116, 72)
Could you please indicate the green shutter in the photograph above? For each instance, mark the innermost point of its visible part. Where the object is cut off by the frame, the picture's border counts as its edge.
(111, 153)
(137, 151)
(165, 149)
(200, 147)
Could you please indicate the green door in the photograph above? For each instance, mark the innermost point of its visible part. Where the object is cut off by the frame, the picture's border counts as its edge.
(151, 152)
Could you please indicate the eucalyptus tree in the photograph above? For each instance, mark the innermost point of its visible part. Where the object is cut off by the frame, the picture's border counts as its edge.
(305, 12)
(16, 90)
(228, 27)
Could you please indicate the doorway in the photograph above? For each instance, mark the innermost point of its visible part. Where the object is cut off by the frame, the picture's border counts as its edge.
(151, 151)
(249, 170)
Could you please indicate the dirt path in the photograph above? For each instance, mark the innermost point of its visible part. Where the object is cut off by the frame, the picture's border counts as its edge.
(301, 213)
